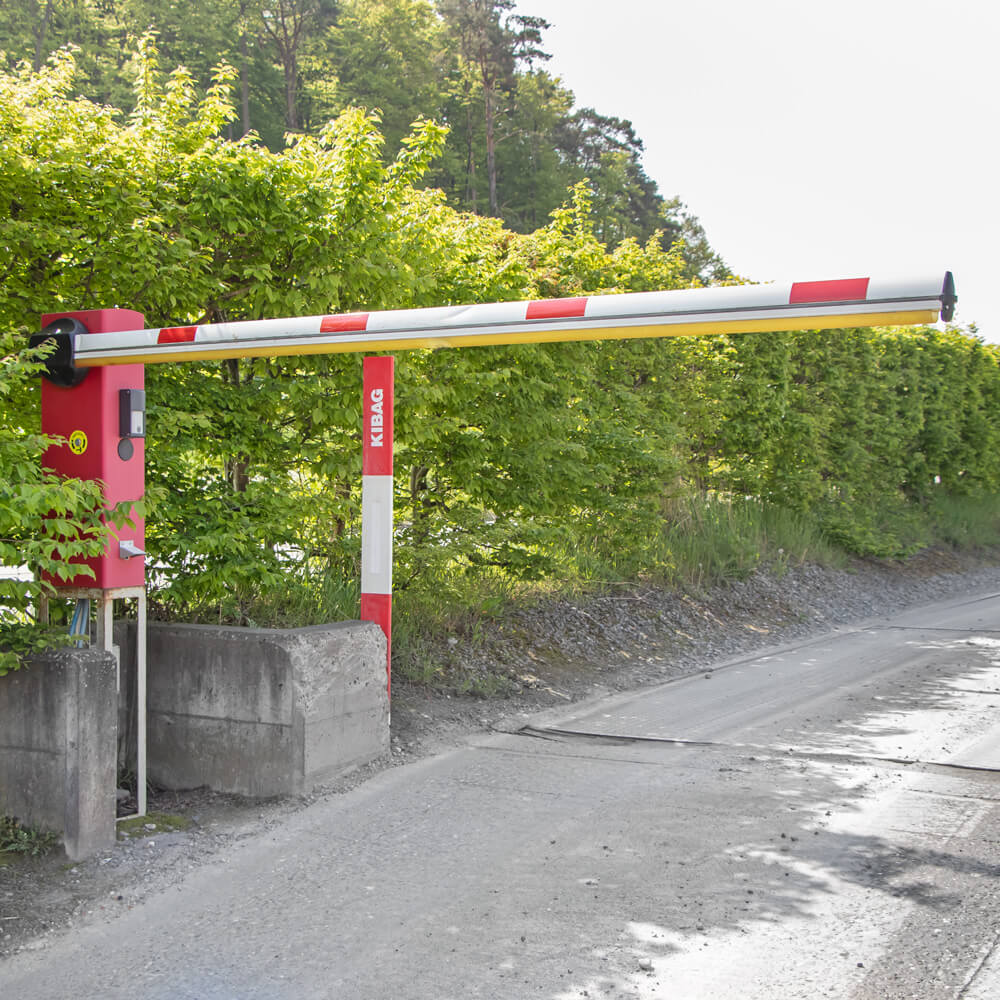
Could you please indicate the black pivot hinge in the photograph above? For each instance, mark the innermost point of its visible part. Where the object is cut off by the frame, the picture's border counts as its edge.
(59, 367)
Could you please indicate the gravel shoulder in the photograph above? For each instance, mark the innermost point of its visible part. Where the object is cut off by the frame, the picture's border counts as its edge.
(542, 656)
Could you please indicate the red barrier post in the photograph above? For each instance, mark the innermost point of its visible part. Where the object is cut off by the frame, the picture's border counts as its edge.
(376, 498)
(89, 417)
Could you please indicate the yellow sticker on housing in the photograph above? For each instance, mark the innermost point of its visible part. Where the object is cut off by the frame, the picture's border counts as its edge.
(78, 442)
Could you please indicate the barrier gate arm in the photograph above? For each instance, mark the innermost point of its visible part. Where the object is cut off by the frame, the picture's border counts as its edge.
(800, 305)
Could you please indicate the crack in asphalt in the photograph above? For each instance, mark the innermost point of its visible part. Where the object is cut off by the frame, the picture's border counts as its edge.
(929, 766)
(930, 628)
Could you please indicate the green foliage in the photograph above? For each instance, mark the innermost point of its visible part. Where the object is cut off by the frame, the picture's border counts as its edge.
(153, 823)
(517, 141)
(963, 522)
(45, 520)
(248, 461)
(390, 56)
(16, 838)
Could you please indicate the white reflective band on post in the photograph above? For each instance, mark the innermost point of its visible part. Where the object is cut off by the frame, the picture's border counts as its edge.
(731, 309)
(376, 548)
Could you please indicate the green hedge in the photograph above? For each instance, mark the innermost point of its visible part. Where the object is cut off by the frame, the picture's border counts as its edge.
(510, 460)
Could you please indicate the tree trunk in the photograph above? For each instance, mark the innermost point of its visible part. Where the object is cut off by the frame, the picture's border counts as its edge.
(244, 84)
(470, 159)
(285, 26)
(237, 466)
(491, 149)
(291, 69)
(41, 33)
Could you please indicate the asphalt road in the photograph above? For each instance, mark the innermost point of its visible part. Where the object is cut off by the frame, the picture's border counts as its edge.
(822, 820)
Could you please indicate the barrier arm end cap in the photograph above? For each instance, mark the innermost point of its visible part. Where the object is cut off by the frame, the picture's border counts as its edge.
(948, 297)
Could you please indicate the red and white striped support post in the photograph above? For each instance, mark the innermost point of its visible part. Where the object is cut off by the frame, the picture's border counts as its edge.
(376, 499)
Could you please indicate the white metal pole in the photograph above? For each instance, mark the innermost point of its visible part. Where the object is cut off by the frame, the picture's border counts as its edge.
(140, 704)
(106, 632)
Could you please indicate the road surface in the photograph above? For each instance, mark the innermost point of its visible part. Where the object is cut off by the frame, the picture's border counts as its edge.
(821, 820)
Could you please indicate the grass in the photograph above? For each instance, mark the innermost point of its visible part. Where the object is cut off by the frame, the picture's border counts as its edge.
(705, 541)
(964, 522)
(451, 610)
(151, 824)
(701, 544)
(722, 540)
(307, 596)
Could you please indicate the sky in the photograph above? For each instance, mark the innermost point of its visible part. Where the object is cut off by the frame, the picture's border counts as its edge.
(812, 139)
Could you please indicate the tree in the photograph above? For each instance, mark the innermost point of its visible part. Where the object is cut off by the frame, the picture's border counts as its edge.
(533, 175)
(199, 35)
(493, 44)
(517, 144)
(164, 214)
(31, 29)
(390, 57)
(287, 25)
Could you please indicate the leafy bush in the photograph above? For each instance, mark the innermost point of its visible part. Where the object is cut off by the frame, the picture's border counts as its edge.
(45, 520)
(15, 838)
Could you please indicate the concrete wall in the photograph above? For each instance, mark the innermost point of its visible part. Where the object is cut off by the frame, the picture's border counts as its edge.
(258, 712)
(263, 712)
(58, 747)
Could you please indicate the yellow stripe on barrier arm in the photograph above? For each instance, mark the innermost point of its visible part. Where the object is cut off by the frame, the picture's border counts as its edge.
(373, 343)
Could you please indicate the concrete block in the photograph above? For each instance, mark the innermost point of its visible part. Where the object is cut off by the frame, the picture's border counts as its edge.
(264, 712)
(58, 747)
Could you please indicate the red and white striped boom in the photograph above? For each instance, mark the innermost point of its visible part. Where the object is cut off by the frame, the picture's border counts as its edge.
(800, 305)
